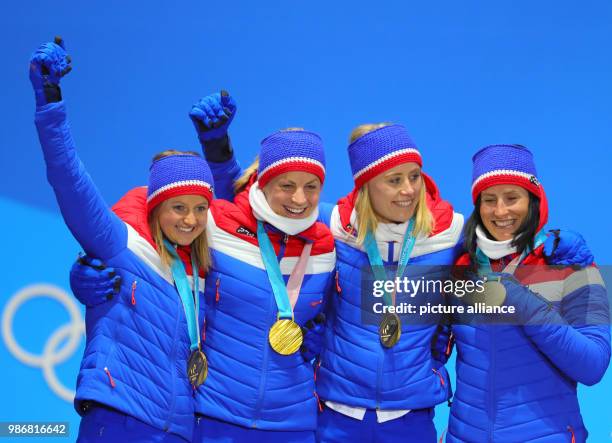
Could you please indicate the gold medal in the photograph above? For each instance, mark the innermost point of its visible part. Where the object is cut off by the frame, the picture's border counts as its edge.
(285, 336)
(390, 330)
(197, 368)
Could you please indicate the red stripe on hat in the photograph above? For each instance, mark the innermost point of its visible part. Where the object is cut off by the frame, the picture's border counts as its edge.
(506, 179)
(180, 190)
(407, 157)
(298, 166)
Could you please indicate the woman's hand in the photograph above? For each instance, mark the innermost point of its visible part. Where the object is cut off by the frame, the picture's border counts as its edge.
(314, 332)
(92, 282)
(48, 65)
(212, 115)
(567, 248)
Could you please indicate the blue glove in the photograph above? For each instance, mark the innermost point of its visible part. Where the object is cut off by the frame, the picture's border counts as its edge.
(314, 332)
(47, 66)
(212, 116)
(92, 282)
(565, 248)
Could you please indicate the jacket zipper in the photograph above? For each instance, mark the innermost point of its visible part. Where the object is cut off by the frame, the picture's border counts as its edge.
(175, 339)
(381, 351)
(264, 369)
(492, 370)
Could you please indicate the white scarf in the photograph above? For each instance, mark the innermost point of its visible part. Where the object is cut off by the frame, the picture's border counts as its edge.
(492, 248)
(386, 233)
(262, 211)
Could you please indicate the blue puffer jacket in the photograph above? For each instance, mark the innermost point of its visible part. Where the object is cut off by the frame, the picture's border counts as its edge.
(517, 382)
(249, 384)
(355, 368)
(137, 346)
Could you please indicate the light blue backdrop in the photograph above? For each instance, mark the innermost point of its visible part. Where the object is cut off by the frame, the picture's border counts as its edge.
(458, 74)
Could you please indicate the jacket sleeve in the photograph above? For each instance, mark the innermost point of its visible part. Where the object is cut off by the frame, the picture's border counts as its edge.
(576, 337)
(92, 223)
(224, 175)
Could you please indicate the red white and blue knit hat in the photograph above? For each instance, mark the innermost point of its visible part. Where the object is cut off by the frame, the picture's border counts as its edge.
(290, 150)
(507, 165)
(180, 174)
(379, 150)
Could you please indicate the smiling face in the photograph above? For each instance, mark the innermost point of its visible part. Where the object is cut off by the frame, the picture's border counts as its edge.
(293, 194)
(182, 219)
(394, 194)
(503, 208)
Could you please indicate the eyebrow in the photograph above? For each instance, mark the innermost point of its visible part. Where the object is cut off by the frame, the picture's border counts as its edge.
(291, 182)
(412, 171)
(506, 193)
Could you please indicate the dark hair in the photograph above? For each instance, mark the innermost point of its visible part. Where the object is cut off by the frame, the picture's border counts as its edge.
(523, 238)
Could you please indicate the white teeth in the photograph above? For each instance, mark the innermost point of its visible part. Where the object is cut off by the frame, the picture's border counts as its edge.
(294, 210)
(503, 223)
(403, 204)
(186, 229)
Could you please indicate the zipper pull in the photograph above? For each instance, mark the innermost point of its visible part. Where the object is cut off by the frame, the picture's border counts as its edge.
(110, 378)
(133, 293)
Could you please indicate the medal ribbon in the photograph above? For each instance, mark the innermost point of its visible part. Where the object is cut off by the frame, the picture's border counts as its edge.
(376, 262)
(484, 263)
(281, 292)
(191, 301)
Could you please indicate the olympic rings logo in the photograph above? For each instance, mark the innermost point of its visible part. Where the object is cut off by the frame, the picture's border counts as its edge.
(51, 356)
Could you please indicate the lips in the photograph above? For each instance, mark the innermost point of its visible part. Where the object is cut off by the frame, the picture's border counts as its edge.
(294, 211)
(185, 230)
(403, 203)
(503, 223)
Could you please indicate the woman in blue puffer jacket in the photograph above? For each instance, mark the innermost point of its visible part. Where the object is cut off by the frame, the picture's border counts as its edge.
(517, 380)
(142, 355)
(378, 384)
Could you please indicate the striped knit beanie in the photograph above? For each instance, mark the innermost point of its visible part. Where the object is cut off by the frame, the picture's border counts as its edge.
(180, 174)
(507, 165)
(286, 151)
(379, 150)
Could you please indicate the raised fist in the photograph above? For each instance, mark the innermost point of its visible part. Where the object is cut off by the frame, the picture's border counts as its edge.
(48, 65)
(212, 115)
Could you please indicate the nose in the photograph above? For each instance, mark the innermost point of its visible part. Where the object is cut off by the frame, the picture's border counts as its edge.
(190, 219)
(299, 197)
(407, 189)
(500, 209)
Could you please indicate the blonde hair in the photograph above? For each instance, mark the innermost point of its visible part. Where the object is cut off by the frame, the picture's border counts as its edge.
(199, 246)
(362, 130)
(244, 179)
(367, 219)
